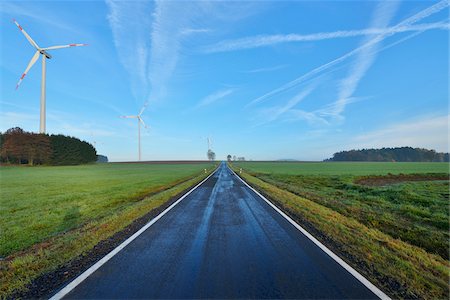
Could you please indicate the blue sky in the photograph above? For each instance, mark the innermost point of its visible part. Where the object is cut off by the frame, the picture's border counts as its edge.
(266, 80)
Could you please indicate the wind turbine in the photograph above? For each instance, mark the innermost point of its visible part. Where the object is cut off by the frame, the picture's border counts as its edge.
(139, 120)
(45, 55)
(208, 139)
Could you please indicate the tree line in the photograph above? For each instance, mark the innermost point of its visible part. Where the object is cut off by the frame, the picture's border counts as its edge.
(234, 158)
(20, 147)
(400, 154)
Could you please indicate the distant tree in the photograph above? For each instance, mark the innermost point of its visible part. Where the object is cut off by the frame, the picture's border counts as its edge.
(71, 151)
(2, 139)
(234, 157)
(229, 157)
(211, 155)
(400, 154)
(38, 149)
(18, 146)
(13, 148)
(102, 158)
(241, 158)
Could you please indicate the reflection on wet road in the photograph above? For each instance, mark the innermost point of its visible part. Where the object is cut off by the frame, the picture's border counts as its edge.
(221, 241)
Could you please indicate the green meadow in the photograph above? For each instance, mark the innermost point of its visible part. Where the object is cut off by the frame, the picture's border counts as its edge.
(344, 168)
(49, 215)
(390, 219)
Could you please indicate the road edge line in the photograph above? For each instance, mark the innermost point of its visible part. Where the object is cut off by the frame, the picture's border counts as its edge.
(330, 253)
(74, 283)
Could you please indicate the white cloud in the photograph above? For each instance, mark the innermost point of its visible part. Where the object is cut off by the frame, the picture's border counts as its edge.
(168, 22)
(55, 120)
(268, 69)
(189, 31)
(151, 43)
(40, 15)
(273, 113)
(318, 117)
(214, 97)
(270, 40)
(429, 132)
(130, 25)
(407, 22)
(86, 130)
(365, 58)
(312, 118)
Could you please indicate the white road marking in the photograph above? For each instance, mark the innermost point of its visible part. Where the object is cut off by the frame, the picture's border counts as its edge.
(116, 250)
(336, 258)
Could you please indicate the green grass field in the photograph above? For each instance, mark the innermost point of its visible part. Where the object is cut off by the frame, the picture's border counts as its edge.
(51, 211)
(412, 213)
(343, 168)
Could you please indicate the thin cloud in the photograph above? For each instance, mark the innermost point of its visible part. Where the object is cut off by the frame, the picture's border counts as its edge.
(170, 24)
(329, 110)
(407, 22)
(365, 58)
(130, 27)
(173, 23)
(86, 130)
(268, 69)
(312, 118)
(37, 14)
(275, 112)
(189, 31)
(270, 40)
(214, 97)
(426, 132)
(151, 42)
(319, 116)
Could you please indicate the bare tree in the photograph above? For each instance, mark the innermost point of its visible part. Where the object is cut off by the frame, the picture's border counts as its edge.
(211, 155)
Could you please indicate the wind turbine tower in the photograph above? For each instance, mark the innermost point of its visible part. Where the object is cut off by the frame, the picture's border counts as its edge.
(45, 55)
(139, 120)
(208, 139)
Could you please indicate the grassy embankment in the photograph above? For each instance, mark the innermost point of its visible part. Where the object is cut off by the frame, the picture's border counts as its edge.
(50, 215)
(395, 234)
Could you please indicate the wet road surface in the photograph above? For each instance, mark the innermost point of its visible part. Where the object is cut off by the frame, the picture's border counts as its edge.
(221, 241)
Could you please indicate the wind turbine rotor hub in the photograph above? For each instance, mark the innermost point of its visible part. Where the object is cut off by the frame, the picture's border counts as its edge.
(43, 52)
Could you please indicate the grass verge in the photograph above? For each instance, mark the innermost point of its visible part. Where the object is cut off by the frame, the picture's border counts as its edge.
(21, 268)
(398, 268)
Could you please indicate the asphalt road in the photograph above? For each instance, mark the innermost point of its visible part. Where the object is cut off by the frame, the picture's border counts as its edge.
(221, 241)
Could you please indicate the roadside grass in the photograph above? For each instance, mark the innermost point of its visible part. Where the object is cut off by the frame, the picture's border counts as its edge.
(415, 212)
(397, 235)
(50, 215)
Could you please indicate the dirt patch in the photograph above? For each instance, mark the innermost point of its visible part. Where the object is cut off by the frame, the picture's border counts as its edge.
(47, 284)
(376, 180)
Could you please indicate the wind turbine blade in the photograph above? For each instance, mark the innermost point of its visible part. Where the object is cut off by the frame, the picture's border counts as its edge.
(142, 121)
(143, 108)
(64, 46)
(31, 63)
(33, 43)
(128, 117)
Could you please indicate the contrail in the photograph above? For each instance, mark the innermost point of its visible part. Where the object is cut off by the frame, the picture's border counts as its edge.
(364, 59)
(407, 22)
(291, 103)
(268, 40)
